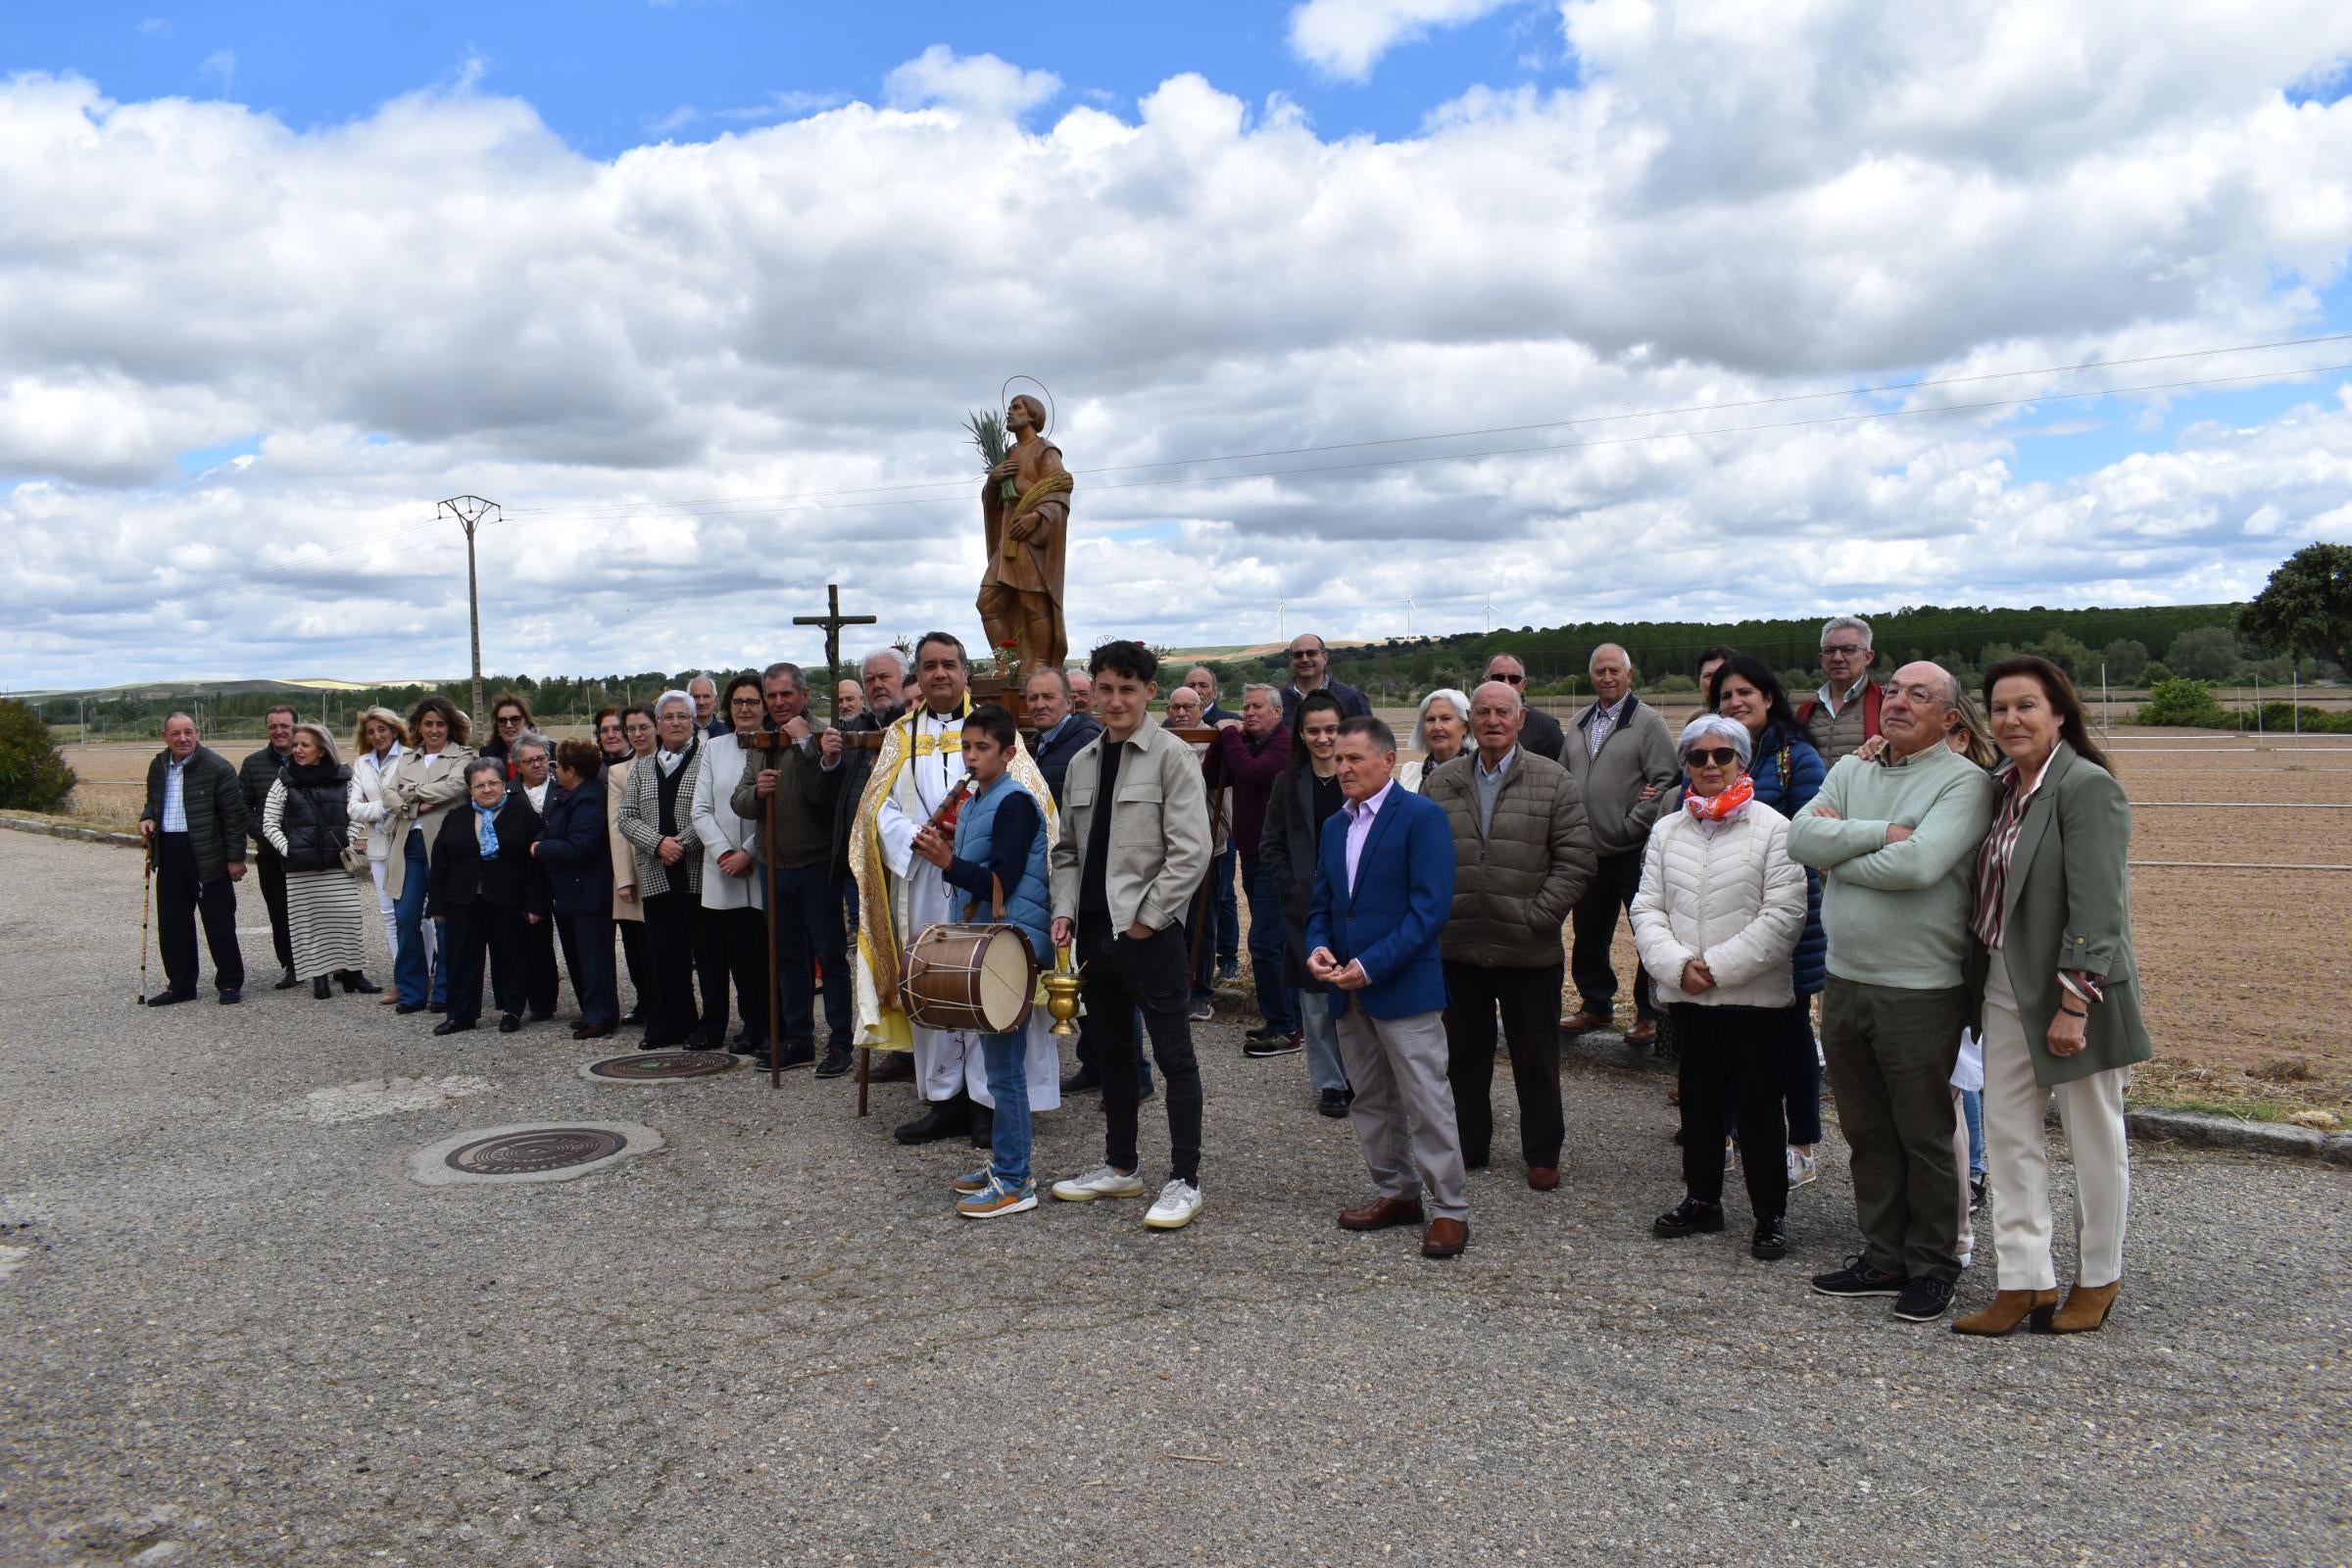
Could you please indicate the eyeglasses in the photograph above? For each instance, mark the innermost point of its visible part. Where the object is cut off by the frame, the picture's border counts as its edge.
(1842, 649)
(742, 701)
(1719, 755)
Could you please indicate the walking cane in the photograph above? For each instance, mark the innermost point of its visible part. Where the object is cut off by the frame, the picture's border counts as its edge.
(146, 913)
(775, 1035)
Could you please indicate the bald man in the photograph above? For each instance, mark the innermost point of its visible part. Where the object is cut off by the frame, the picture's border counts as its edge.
(1623, 759)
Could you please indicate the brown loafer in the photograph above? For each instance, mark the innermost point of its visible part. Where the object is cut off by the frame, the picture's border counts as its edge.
(1445, 1237)
(1381, 1214)
(891, 1068)
(1543, 1178)
(2007, 1310)
(1584, 1021)
(1642, 1033)
(2085, 1309)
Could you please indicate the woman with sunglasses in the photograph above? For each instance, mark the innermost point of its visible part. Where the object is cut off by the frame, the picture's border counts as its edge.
(509, 720)
(1717, 917)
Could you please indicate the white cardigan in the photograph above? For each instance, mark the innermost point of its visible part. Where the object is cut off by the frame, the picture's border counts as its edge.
(364, 803)
(1733, 897)
(712, 812)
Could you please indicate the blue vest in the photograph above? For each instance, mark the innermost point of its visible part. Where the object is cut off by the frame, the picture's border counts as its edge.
(1027, 903)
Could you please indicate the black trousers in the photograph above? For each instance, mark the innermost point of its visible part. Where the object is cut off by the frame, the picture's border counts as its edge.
(541, 985)
(666, 982)
(178, 900)
(588, 956)
(469, 933)
(1121, 975)
(742, 937)
(270, 867)
(1732, 1067)
(1529, 1002)
(632, 954)
(1593, 922)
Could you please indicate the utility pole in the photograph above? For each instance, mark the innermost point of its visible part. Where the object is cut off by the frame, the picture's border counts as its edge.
(469, 510)
(1409, 619)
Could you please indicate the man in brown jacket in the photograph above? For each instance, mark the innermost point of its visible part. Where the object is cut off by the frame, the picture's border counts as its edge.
(802, 772)
(1623, 759)
(1523, 855)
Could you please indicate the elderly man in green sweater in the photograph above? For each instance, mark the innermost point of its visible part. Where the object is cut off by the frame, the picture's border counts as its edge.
(1895, 842)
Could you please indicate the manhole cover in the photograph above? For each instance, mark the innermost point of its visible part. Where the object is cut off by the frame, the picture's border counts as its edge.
(531, 1153)
(660, 1066)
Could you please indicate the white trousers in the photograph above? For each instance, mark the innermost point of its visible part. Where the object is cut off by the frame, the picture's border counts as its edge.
(2017, 1155)
(384, 905)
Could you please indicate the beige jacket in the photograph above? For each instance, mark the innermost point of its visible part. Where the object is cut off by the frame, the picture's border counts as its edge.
(1158, 829)
(624, 856)
(415, 785)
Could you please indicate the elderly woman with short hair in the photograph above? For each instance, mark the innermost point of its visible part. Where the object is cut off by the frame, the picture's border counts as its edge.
(306, 817)
(1441, 733)
(486, 892)
(2056, 997)
(656, 817)
(531, 760)
(1716, 920)
(574, 853)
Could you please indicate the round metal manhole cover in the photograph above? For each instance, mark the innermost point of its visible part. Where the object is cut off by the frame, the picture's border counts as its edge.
(661, 1066)
(531, 1153)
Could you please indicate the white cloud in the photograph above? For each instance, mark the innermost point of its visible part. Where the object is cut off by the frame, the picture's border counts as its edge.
(980, 84)
(446, 297)
(223, 63)
(1347, 37)
(156, 27)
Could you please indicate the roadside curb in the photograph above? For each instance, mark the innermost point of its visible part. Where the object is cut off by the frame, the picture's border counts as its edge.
(66, 830)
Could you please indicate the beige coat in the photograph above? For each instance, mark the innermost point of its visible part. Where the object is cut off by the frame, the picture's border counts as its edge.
(624, 857)
(1158, 829)
(416, 784)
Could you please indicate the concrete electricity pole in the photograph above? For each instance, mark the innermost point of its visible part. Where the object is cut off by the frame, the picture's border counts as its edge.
(470, 510)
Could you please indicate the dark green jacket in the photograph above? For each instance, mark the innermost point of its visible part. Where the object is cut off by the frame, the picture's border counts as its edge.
(2069, 906)
(1515, 880)
(215, 803)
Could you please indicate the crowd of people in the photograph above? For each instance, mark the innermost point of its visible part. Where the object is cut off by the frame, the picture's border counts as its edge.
(1941, 884)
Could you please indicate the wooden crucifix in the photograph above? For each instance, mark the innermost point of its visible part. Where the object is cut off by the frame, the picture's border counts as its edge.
(832, 620)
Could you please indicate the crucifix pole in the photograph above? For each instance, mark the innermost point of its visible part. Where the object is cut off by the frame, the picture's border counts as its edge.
(832, 620)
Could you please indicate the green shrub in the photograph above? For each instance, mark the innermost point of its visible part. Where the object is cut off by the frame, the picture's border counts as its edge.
(33, 777)
(2155, 674)
(1674, 683)
(2185, 703)
(2278, 718)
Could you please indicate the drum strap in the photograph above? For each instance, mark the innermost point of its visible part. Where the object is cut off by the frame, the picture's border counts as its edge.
(995, 901)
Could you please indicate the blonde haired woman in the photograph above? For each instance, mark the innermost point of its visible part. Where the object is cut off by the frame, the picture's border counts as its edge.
(376, 754)
(305, 819)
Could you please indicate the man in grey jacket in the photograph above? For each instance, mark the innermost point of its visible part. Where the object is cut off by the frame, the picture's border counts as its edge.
(1623, 759)
(1523, 855)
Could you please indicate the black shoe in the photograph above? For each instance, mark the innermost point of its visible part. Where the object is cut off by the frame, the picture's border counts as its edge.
(940, 1119)
(743, 1037)
(407, 1006)
(451, 1026)
(649, 1043)
(1975, 1194)
(740, 1047)
(797, 1054)
(1924, 1300)
(1771, 1242)
(1084, 1079)
(356, 983)
(285, 981)
(321, 988)
(230, 996)
(1263, 1034)
(1688, 1218)
(632, 1019)
(1859, 1278)
(165, 999)
(436, 1006)
(838, 1060)
(508, 1023)
(1335, 1103)
(984, 1127)
(1280, 1044)
(700, 1041)
(536, 1016)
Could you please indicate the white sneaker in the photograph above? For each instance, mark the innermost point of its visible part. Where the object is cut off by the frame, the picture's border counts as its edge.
(1203, 1012)
(1104, 1181)
(1179, 1202)
(1802, 1168)
(1967, 1258)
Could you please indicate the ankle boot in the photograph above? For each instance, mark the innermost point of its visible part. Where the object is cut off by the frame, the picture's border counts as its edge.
(2007, 1310)
(319, 988)
(2086, 1308)
(357, 983)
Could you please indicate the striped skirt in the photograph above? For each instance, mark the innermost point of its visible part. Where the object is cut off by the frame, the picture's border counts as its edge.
(322, 922)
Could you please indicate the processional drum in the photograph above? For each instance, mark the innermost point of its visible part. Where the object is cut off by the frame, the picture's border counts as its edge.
(980, 978)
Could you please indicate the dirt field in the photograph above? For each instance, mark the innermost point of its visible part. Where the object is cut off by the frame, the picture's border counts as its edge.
(2248, 973)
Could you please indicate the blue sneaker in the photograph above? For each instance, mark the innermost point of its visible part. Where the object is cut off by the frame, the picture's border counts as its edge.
(998, 1198)
(970, 1182)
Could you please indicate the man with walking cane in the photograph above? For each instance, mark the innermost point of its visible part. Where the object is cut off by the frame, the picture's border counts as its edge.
(194, 824)
(792, 794)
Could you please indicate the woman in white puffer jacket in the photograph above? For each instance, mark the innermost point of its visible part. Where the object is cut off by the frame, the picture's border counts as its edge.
(1718, 916)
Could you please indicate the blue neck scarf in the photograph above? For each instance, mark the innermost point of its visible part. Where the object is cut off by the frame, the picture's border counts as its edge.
(485, 820)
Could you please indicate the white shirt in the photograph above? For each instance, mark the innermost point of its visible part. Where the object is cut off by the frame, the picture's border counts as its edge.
(176, 811)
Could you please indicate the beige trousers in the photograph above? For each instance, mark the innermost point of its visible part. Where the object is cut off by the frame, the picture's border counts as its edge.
(2017, 1155)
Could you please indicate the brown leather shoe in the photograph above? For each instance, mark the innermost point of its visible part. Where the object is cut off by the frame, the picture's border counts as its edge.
(1543, 1178)
(891, 1068)
(1445, 1237)
(1584, 1021)
(1643, 1032)
(2007, 1310)
(1381, 1214)
(2085, 1309)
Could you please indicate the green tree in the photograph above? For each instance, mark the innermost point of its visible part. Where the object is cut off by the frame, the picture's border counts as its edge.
(2188, 703)
(2126, 659)
(33, 777)
(2306, 607)
(2205, 653)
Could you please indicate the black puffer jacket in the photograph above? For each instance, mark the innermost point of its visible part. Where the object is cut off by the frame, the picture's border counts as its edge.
(214, 805)
(312, 820)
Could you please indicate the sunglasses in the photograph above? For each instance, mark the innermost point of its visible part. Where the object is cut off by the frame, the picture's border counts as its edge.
(1719, 755)
(1509, 680)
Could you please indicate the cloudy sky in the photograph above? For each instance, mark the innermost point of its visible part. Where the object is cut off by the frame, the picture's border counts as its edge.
(1476, 311)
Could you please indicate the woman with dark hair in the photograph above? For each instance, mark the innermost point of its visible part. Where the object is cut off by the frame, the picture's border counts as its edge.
(419, 797)
(1785, 775)
(1305, 798)
(636, 722)
(2056, 999)
(575, 852)
(509, 720)
(731, 931)
(307, 819)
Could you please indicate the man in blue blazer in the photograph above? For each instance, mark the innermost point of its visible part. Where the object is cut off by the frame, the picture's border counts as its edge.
(1384, 885)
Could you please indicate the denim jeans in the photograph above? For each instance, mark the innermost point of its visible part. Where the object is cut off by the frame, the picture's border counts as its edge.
(1324, 1069)
(1275, 998)
(418, 967)
(1007, 1058)
(1229, 919)
(1971, 1105)
(808, 935)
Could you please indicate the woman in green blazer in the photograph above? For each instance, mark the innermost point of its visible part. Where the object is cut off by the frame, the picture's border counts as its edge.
(2056, 999)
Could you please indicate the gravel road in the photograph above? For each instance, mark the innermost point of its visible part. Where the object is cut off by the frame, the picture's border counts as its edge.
(238, 1332)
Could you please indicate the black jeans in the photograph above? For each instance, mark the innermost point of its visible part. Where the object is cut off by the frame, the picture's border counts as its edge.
(1732, 1067)
(542, 985)
(743, 935)
(270, 867)
(1593, 922)
(468, 932)
(632, 954)
(666, 982)
(1530, 999)
(588, 955)
(1123, 974)
(178, 899)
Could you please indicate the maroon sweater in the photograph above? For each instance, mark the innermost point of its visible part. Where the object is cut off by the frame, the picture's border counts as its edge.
(1250, 767)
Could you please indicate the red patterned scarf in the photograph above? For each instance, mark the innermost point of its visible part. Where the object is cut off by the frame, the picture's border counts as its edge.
(1721, 808)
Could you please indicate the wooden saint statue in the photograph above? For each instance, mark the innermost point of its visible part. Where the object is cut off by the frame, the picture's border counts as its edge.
(1025, 505)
